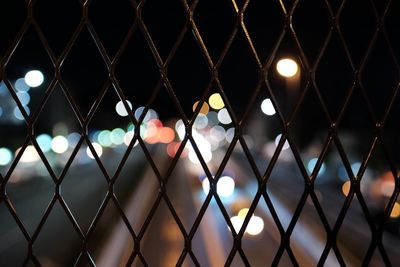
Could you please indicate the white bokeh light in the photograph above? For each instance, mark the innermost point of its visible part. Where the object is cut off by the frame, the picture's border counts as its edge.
(255, 226)
(225, 186)
(278, 139)
(34, 78)
(120, 108)
(267, 107)
(237, 223)
(224, 117)
(5, 156)
(287, 67)
(97, 147)
(59, 144)
(30, 155)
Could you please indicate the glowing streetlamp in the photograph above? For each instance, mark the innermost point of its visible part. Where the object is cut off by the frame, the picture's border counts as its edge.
(287, 67)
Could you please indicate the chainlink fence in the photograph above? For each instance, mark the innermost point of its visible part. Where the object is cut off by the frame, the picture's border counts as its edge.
(140, 140)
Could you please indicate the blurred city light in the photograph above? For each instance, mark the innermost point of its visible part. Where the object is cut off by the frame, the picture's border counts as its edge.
(24, 98)
(287, 67)
(34, 78)
(230, 133)
(212, 117)
(73, 139)
(59, 144)
(97, 147)
(311, 165)
(180, 129)
(237, 223)
(267, 107)
(104, 138)
(225, 186)
(20, 85)
(166, 135)
(150, 115)
(128, 137)
(255, 226)
(5, 156)
(224, 117)
(120, 108)
(18, 113)
(278, 139)
(117, 136)
(243, 213)
(30, 154)
(201, 121)
(216, 101)
(44, 142)
(204, 108)
(346, 188)
(395, 213)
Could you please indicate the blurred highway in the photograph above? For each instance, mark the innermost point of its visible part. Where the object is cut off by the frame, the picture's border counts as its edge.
(83, 189)
(163, 243)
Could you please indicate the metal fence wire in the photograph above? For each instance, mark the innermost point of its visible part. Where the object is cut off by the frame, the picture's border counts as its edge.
(168, 54)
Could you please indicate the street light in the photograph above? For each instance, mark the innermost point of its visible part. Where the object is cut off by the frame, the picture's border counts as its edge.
(34, 78)
(287, 67)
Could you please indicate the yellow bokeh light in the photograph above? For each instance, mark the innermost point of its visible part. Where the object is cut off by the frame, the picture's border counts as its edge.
(287, 67)
(243, 213)
(395, 211)
(204, 108)
(346, 188)
(216, 101)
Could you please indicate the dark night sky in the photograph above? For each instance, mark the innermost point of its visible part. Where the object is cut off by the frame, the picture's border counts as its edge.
(84, 71)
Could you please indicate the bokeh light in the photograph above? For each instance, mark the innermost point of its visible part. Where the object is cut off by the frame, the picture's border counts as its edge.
(97, 147)
(166, 135)
(267, 107)
(44, 142)
(395, 213)
(117, 136)
(255, 226)
(5, 156)
(287, 67)
(24, 98)
(59, 144)
(346, 188)
(278, 139)
(205, 108)
(237, 223)
(225, 186)
(120, 108)
(29, 155)
(104, 138)
(224, 117)
(20, 85)
(201, 121)
(216, 101)
(18, 113)
(243, 213)
(34, 78)
(230, 133)
(311, 165)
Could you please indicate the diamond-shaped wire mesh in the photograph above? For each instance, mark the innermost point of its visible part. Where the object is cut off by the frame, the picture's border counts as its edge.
(91, 174)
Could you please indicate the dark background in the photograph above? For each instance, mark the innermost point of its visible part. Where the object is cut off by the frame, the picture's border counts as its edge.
(84, 72)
